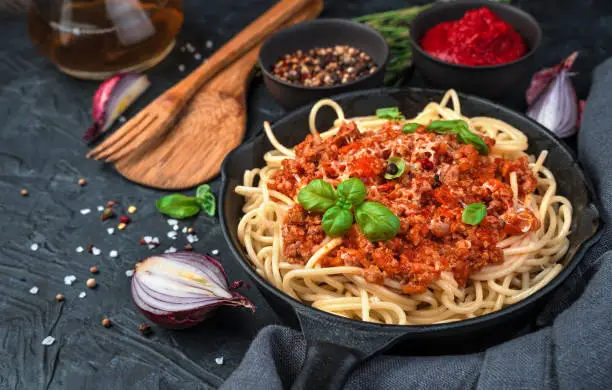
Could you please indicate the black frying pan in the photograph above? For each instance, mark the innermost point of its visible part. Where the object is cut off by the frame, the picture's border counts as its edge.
(337, 344)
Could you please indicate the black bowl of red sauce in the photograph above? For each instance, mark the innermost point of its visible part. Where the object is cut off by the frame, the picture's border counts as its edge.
(474, 46)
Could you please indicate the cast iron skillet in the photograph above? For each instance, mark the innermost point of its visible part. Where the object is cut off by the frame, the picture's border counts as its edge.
(337, 344)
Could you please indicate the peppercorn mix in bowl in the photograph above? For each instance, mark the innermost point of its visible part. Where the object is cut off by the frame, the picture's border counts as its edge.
(320, 58)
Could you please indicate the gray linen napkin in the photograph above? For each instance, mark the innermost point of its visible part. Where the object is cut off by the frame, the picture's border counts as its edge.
(571, 350)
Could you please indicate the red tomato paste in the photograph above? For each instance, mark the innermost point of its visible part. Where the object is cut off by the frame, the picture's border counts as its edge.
(480, 38)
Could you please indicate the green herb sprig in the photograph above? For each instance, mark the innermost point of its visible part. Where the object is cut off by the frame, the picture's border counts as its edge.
(180, 206)
(461, 128)
(375, 221)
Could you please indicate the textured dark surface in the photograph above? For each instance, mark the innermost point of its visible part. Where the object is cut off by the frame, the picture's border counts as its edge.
(42, 116)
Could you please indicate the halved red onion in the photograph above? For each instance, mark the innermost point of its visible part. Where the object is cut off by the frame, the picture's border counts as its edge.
(179, 290)
(552, 100)
(111, 99)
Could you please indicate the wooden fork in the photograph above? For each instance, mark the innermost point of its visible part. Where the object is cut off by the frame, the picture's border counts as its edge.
(156, 118)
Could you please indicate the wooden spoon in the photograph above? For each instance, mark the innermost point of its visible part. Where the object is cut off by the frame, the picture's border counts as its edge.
(213, 124)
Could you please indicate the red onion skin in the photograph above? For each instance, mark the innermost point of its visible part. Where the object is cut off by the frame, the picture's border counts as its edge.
(552, 100)
(187, 318)
(104, 98)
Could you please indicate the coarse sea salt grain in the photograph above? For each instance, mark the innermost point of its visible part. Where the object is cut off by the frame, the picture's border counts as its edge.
(214, 252)
(48, 340)
(219, 360)
(209, 44)
(155, 240)
(100, 208)
(34, 247)
(82, 295)
(190, 47)
(172, 222)
(34, 290)
(129, 273)
(110, 230)
(113, 253)
(68, 280)
(184, 229)
(151, 246)
(122, 119)
(181, 68)
(96, 251)
(79, 249)
(182, 49)
(147, 239)
(172, 234)
(197, 56)
(85, 211)
(192, 238)
(170, 250)
(175, 227)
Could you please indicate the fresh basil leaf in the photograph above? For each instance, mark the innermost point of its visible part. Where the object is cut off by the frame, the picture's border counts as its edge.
(410, 128)
(447, 126)
(202, 191)
(178, 206)
(206, 199)
(474, 213)
(337, 221)
(467, 137)
(376, 222)
(400, 167)
(318, 196)
(391, 113)
(344, 204)
(352, 190)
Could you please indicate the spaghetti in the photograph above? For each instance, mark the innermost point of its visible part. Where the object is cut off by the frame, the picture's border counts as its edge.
(518, 264)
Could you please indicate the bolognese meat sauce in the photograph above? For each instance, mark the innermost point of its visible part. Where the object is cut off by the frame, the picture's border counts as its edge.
(442, 175)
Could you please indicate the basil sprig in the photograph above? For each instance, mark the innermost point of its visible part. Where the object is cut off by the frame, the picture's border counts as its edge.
(391, 113)
(474, 213)
(317, 196)
(461, 128)
(375, 221)
(180, 206)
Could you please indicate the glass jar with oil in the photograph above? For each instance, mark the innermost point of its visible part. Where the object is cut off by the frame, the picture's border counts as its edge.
(94, 39)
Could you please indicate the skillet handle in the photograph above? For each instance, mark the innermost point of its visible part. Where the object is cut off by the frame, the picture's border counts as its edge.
(326, 367)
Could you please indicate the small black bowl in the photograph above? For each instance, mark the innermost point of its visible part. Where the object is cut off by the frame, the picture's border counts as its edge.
(488, 81)
(321, 33)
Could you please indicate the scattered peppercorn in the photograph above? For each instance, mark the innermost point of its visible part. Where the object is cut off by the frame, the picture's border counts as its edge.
(145, 330)
(106, 323)
(191, 230)
(143, 241)
(90, 248)
(188, 247)
(121, 226)
(436, 182)
(59, 297)
(324, 66)
(110, 203)
(82, 182)
(24, 192)
(107, 213)
(94, 269)
(91, 283)
(125, 219)
(392, 169)
(131, 209)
